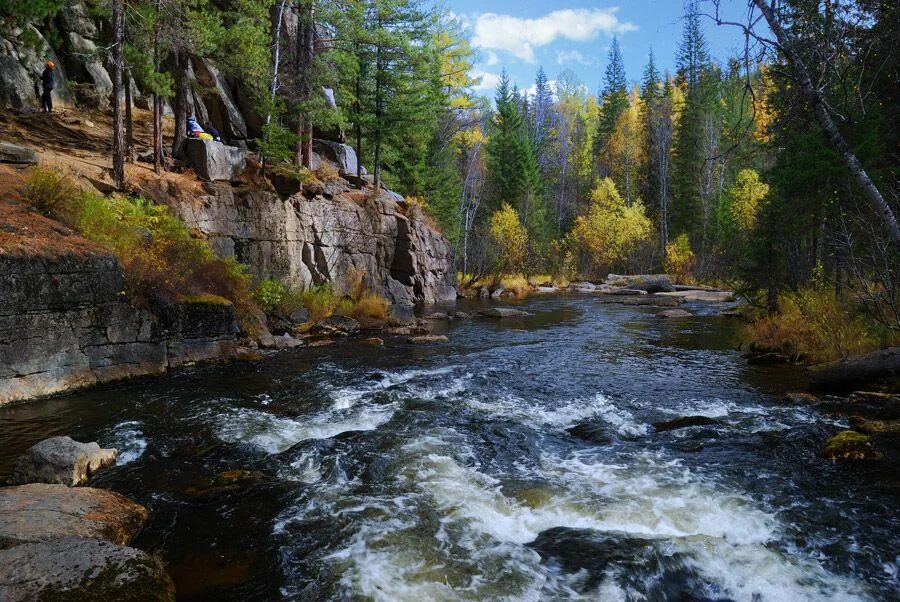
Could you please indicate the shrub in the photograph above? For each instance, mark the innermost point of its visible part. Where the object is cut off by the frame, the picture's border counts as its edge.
(54, 195)
(270, 295)
(680, 259)
(327, 172)
(511, 239)
(370, 310)
(813, 324)
(321, 301)
(163, 263)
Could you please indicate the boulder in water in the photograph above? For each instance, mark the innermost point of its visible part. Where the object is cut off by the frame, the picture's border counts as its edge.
(674, 313)
(61, 460)
(40, 512)
(850, 445)
(337, 326)
(684, 422)
(591, 431)
(504, 312)
(426, 339)
(78, 568)
(287, 342)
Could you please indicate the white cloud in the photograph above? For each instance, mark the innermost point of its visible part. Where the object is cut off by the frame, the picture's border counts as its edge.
(492, 59)
(520, 37)
(571, 56)
(489, 80)
(550, 84)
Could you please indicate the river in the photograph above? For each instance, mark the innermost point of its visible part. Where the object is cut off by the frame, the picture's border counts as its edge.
(517, 462)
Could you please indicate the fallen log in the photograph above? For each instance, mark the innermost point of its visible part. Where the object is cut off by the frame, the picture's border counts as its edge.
(884, 363)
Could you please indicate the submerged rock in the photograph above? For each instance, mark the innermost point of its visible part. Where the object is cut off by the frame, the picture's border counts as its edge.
(850, 445)
(591, 431)
(40, 512)
(427, 339)
(684, 422)
(78, 568)
(61, 460)
(504, 312)
(674, 313)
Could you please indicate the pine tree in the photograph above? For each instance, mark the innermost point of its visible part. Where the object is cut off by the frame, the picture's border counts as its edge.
(613, 102)
(542, 110)
(693, 52)
(514, 174)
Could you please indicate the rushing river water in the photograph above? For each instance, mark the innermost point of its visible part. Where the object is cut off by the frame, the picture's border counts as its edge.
(449, 472)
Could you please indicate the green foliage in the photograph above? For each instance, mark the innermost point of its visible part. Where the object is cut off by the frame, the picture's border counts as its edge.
(515, 178)
(270, 295)
(16, 13)
(163, 263)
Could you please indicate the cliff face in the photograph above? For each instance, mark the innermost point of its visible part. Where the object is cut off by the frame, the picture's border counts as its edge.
(329, 237)
(65, 322)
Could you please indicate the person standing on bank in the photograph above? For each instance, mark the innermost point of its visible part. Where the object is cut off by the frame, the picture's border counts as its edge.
(47, 83)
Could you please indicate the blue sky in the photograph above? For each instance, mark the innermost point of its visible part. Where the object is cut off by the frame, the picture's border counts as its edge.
(521, 35)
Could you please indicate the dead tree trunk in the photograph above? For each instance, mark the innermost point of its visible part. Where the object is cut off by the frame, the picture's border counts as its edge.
(118, 143)
(305, 51)
(181, 90)
(157, 101)
(129, 120)
(804, 80)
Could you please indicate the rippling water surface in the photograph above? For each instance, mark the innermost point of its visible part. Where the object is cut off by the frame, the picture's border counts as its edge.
(518, 462)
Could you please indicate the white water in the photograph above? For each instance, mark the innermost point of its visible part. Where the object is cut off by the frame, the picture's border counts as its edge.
(452, 530)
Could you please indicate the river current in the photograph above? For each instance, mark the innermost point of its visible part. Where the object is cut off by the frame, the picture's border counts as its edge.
(517, 462)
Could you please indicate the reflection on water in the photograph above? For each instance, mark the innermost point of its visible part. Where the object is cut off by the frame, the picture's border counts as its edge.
(518, 462)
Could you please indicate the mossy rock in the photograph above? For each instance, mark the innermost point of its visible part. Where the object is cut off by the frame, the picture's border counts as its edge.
(850, 445)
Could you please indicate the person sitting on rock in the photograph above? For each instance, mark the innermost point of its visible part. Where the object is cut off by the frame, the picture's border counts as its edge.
(213, 132)
(195, 131)
(47, 81)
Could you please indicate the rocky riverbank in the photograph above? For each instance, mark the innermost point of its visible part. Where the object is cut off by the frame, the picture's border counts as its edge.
(61, 542)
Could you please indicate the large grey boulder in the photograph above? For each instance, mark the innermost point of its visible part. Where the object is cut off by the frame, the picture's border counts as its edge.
(651, 283)
(61, 460)
(40, 512)
(75, 18)
(77, 568)
(85, 65)
(221, 109)
(17, 87)
(13, 153)
(342, 154)
(213, 160)
(337, 326)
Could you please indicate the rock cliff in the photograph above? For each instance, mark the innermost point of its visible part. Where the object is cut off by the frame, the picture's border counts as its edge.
(325, 235)
(65, 322)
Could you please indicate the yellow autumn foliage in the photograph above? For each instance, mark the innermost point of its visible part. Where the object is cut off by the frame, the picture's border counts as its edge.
(610, 229)
(511, 239)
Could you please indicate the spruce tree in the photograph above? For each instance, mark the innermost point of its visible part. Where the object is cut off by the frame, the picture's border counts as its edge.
(613, 102)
